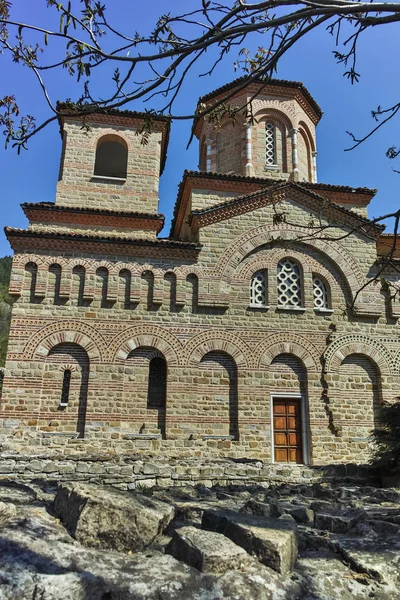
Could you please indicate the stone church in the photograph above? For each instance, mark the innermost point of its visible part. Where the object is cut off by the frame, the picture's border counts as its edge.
(248, 332)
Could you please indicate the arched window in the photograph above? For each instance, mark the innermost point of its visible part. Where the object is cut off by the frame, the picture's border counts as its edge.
(288, 283)
(102, 281)
(320, 293)
(258, 289)
(78, 282)
(32, 269)
(55, 281)
(156, 395)
(65, 388)
(111, 157)
(270, 144)
(126, 282)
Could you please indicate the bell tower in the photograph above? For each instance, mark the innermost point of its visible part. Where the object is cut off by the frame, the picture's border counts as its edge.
(272, 136)
(105, 165)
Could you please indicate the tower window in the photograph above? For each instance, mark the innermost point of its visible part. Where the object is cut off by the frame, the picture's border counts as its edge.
(289, 283)
(258, 289)
(320, 292)
(111, 158)
(270, 144)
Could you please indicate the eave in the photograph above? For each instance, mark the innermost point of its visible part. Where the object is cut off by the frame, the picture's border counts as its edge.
(26, 240)
(47, 212)
(388, 246)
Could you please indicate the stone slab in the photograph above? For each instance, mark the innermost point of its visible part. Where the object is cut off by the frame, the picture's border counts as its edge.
(273, 542)
(207, 551)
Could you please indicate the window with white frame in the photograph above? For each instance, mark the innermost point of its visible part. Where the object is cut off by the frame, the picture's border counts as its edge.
(258, 289)
(270, 145)
(320, 292)
(288, 283)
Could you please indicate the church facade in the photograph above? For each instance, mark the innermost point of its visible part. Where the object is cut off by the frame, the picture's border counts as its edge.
(255, 329)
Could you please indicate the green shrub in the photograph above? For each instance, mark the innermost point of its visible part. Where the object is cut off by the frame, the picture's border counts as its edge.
(386, 454)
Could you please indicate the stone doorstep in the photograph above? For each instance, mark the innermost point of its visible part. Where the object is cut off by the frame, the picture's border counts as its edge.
(207, 551)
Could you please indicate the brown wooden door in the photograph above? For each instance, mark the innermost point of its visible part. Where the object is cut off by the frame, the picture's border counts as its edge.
(288, 443)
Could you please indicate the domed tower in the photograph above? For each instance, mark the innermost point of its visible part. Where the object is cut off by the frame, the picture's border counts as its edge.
(272, 135)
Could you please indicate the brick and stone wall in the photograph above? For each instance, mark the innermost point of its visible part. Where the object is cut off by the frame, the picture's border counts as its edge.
(159, 351)
(79, 187)
(224, 358)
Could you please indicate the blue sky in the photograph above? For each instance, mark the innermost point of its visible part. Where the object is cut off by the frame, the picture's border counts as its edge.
(32, 176)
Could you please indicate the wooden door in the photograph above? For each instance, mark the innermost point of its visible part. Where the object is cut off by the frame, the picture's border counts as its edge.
(288, 443)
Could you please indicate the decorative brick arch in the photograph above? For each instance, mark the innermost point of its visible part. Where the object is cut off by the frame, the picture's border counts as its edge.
(358, 344)
(269, 112)
(288, 343)
(41, 342)
(307, 134)
(265, 234)
(23, 259)
(104, 264)
(111, 135)
(151, 336)
(309, 264)
(222, 341)
(77, 262)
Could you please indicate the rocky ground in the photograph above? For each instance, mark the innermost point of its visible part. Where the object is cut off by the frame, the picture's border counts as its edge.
(83, 542)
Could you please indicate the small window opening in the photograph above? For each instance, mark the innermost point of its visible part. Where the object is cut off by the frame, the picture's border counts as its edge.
(258, 289)
(270, 144)
(320, 292)
(156, 396)
(111, 159)
(65, 388)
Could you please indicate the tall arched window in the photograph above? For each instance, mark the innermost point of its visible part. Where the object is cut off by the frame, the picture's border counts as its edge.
(78, 282)
(157, 391)
(55, 281)
(270, 144)
(258, 289)
(102, 279)
(65, 388)
(111, 157)
(320, 293)
(288, 283)
(126, 282)
(32, 269)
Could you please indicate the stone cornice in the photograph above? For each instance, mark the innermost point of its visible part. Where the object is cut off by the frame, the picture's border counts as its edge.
(25, 240)
(47, 212)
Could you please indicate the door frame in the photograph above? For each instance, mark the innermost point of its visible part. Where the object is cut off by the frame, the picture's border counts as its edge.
(304, 424)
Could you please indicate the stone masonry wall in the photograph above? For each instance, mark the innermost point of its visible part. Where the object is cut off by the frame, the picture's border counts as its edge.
(224, 358)
(78, 187)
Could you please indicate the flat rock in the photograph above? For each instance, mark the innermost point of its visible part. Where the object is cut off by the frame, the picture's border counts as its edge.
(256, 507)
(272, 541)
(338, 522)
(104, 517)
(207, 551)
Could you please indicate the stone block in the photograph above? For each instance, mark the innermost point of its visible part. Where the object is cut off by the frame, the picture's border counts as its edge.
(338, 522)
(103, 517)
(273, 542)
(206, 551)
